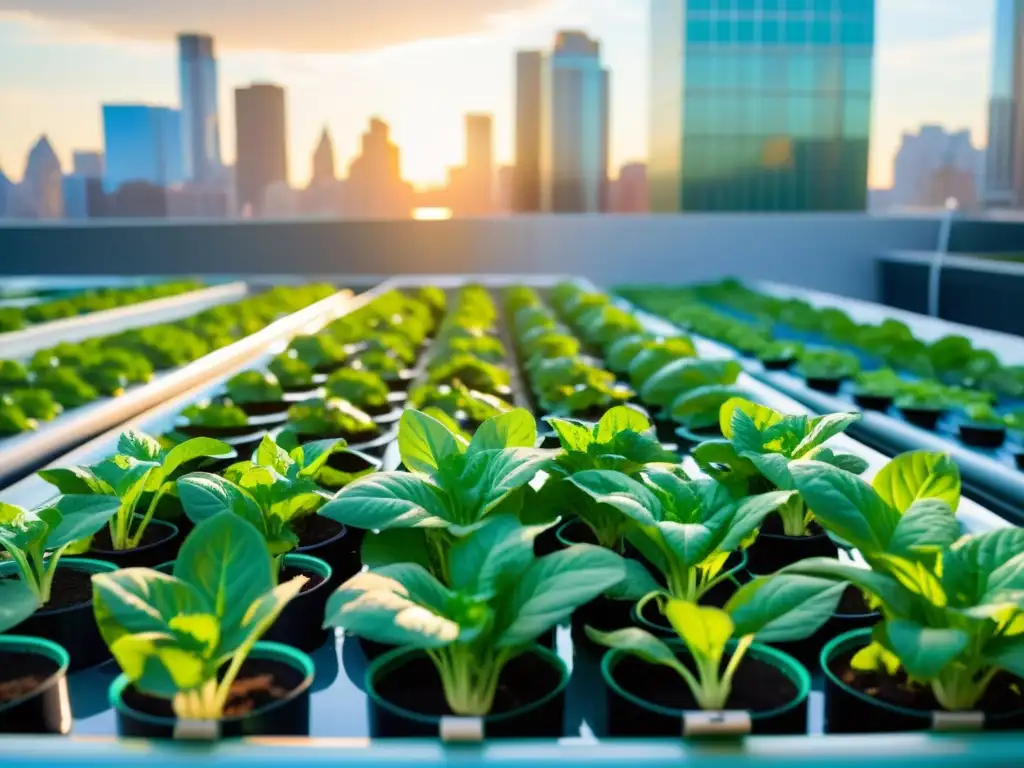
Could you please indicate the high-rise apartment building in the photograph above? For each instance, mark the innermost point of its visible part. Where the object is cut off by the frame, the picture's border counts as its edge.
(43, 181)
(477, 193)
(574, 127)
(1004, 169)
(375, 189)
(260, 144)
(143, 144)
(526, 178)
(323, 160)
(760, 105)
(200, 122)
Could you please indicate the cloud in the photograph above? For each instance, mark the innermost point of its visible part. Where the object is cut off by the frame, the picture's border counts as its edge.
(295, 25)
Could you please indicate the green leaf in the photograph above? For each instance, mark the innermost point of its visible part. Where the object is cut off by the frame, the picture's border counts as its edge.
(623, 493)
(686, 374)
(1009, 655)
(379, 608)
(75, 480)
(395, 545)
(704, 629)
(784, 607)
(899, 600)
(17, 603)
(689, 543)
(918, 475)
(513, 429)
(312, 457)
(774, 467)
(825, 428)
(746, 436)
(495, 475)
(637, 582)
(638, 642)
(424, 442)
(270, 454)
(554, 586)
(749, 515)
(419, 584)
(265, 610)
(196, 448)
(226, 560)
(572, 436)
(845, 505)
(204, 495)
(139, 446)
(928, 525)
(621, 418)
(762, 416)
(80, 517)
(699, 408)
(967, 565)
(924, 651)
(494, 557)
(389, 500)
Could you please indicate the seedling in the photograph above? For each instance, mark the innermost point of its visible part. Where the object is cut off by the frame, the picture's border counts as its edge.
(185, 637)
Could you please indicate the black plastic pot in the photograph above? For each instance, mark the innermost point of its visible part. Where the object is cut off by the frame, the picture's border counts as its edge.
(72, 627)
(147, 717)
(537, 675)
(925, 418)
(335, 544)
(850, 710)
(772, 551)
(548, 441)
(548, 542)
(982, 435)
(46, 709)
(148, 555)
(808, 650)
(648, 615)
(379, 445)
(349, 463)
(1019, 458)
(825, 384)
(643, 701)
(256, 425)
(388, 416)
(402, 382)
(665, 429)
(871, 402)
(278, 408)
(300, 624)
(781, 364)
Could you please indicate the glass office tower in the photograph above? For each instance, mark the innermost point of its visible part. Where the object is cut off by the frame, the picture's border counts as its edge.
(1004, 160)
(760, 105)
(143, 144)
(197, 69)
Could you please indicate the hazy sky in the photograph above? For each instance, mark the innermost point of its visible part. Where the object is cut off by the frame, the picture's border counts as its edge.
(419, 64)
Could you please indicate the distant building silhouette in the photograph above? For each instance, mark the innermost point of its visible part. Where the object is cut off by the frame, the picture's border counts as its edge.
(471, 186)
(930, 158)
(323, 159)
(83, 197)
(43, 181)
(195, 200)
(375, 188)
(261, 143)
(87, 163)
(629, 193)
(280, 201)
(526, 185)
(197, 69)
(574, 127)
(504, 187)
(7, 192)
(137, 200)
(143, 144)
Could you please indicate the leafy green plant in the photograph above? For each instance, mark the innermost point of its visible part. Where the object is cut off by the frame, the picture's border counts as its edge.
(330, 417)
(215, 414)
(361, 388)
(793, 612)
(984, 414)
(317, 351)
(290, 371)
(657, 354)
(35, 403)
(13, 374)
(827, 364)
(884, 382)
(13, 420)
(686, 529)
(185, 637)
(498, 600)
(36, 540)
(699, 408)
(760, 448)
(621, 353)
(457, 401)
(254, 387)
(141, 468)
(450, 489)
(472, 372)
(668, 384)
(67, 387)
(780, 350)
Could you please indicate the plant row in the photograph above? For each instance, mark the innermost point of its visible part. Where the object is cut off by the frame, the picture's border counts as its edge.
(92, 300)
(71, 375)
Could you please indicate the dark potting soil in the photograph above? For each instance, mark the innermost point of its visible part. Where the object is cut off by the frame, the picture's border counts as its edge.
(315, 529)
(153, 534)
(757, 686)
(772, 525)
(416, 685)
(70, 588)
(23, 673)
(852, 603)
(1002, 695)
(261, 682)
(315, 579)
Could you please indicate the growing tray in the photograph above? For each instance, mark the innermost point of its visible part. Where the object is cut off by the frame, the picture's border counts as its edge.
(23, 453)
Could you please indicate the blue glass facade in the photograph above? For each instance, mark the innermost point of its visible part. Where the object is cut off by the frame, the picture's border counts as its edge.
(761, 105)
(143, 143)
(199, 113)
(1004, 160)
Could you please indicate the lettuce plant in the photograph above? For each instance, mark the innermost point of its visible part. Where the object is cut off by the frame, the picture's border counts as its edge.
(331, 416)
(450, 489)
(762, 445)
(699, 408)
(36, 540)
(686, 529)
(316, 351)
(254, 387)
(794, 611)
(498, 601)
(363, 389)
(211, 414)
(290, 371)
(185, 637)
(36, 404)
(13, 420)
(653, 356)
(670, 383)
(827, 364)
(473, 372)
(141, 466)
(457, 401)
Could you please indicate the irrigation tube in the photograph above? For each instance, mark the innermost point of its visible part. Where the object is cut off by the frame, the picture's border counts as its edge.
(935, 271)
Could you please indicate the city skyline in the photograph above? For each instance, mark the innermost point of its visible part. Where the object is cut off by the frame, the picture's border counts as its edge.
(933, 71)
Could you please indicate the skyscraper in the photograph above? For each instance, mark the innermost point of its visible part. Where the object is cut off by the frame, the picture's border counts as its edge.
(629, 192)
(1004, 172)
(261, 143)
(43, 178)
(87, 163)
(574, 127)
(526, 180)
(375, 188)
(760, 106)
(143, 144)
(477, 193)
(933, 154)
(323, 160)
(200, 123)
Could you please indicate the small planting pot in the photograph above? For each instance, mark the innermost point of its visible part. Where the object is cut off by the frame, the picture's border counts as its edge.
(925, 418)
(548, 542)
(769, 696)
(828, 384)
(349, 463)
(33, 686)
(665, 429)
(280, 712)
(300, 624)
(773, 550)
(372, 444)
(385, 416)
(68, 620)
(779, 364)
(334, 543)
(896, 707)
(647, 615)
(402, 381)
(406, 698)
(982, 435)
(379, 445)
(276, 408)
(160, 543)
(256, 425)
(852, 613)
(870, 402)
(1019, 459)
